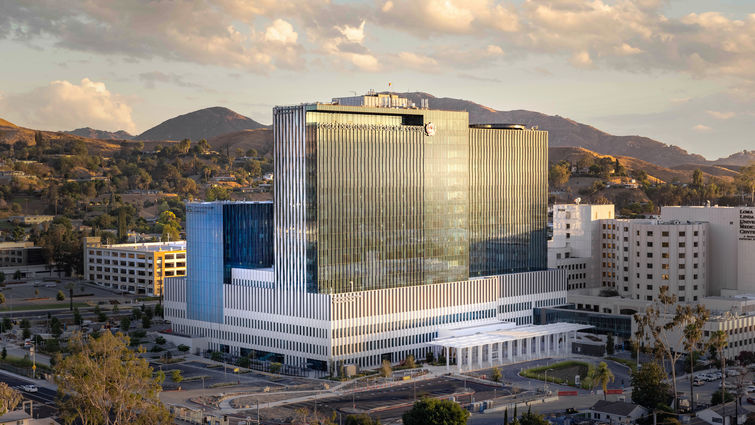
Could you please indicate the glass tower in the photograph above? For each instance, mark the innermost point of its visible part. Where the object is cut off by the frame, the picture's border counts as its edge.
(222, 236)
(371, 198)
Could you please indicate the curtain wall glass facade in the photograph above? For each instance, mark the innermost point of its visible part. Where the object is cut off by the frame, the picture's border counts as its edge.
(508, 201)
(386, 204)
(247, 236)
(204, 262)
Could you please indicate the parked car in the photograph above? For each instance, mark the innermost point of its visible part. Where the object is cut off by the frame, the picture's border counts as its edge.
(732, 372)
(750, 389)
(698, 382)
(751, 400)
(30, 388)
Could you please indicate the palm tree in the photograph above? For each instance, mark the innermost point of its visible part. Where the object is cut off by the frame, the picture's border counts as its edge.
(719, 340)
(602, 376)
(693, 336)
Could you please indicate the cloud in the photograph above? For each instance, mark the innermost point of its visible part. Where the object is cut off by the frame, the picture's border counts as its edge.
(282, 32)
(198, 31)
(62, 105)
(417, 61)
(151, 78)
(721, 115)
(581, 59)
(701, 128)
(263, 35)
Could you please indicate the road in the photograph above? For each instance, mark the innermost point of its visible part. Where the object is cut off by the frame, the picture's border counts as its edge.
(44, 398)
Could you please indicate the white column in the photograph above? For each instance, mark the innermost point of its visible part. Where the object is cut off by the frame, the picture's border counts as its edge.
(537, 347)
(448, 362)
(459, 358)
(479, 355)
(490, 354)
(500, 352)
(469, 357)
(510, 351)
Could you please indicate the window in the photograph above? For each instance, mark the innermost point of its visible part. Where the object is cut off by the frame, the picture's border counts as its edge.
(568, 226)
(682, 244)
(649, 287)
(650, 276)
(650, 265)
(650, 233)
(664, 234)
(568, 235)
(650, 255)
(695, 233)
(650, 244)
(664, 276)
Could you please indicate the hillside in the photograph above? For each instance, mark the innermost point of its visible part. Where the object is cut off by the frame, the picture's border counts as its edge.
(682, 174)
(92, 133)
(260, 139)
(739, 159)
(11, 134)
(202, 124)
(4, 123)
(565, 132)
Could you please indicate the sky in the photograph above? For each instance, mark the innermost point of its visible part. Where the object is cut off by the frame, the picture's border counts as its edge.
(681, 72)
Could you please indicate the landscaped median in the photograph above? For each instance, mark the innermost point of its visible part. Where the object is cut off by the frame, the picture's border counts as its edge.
(563, 373)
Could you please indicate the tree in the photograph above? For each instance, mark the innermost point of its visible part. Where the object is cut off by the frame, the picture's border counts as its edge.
(56, 327)
(175, 375)
(746, 181)
(4, 354)
(9, 398)
(18, 234)
(61, 296)
(610, 343)
(26, 328)
(602, 376)
(559, 174)
(668, 334)
(125, 324)
(7, 324)
(693, 335)
(361, 419)
(430, 411)
(2, 298)
(409, 362)
(697, 178)
(17, 275)
(719, 340)
(2, 278)
(530, 418)
(506, 417)
(106, 383)
(649, 388)
(77, 317)
(385, 369)
(183, 348)
(146, 322)
(496, 374)
(716, 397)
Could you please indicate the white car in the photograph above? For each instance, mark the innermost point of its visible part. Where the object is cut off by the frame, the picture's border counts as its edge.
(30, 388)
(750, 389)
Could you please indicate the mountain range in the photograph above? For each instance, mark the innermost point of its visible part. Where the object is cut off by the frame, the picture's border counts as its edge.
(226, 129)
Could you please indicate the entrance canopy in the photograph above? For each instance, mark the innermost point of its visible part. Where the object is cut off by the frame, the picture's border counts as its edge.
(506, 344)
